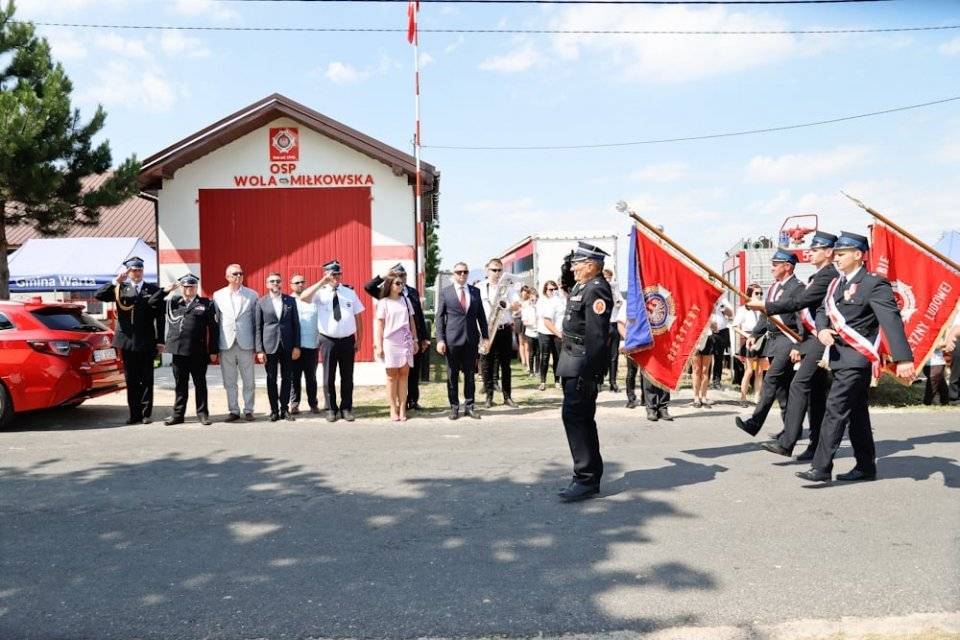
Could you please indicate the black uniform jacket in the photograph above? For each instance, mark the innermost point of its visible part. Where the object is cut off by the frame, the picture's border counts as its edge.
(584, 352)
(191, 329)
(777, 342)
(373, 287)
(140, 328)
(809, 298)
(867, 305)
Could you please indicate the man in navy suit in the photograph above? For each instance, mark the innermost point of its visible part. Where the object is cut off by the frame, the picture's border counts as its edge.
(278, 344)
(461, 323)
(857, 307)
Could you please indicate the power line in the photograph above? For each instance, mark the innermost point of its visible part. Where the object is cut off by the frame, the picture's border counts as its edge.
(674, 32)
(711, 136)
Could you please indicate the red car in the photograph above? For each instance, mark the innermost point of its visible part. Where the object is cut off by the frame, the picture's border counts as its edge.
(53, 355)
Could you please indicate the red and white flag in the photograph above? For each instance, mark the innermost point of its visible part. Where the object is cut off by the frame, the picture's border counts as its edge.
(412, 8)
(679, 303)
(926, 289)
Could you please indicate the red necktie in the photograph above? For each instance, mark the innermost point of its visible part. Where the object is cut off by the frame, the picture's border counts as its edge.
(463, 299)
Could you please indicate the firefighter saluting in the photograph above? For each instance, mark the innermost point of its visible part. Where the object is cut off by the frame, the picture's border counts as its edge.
(583, 362)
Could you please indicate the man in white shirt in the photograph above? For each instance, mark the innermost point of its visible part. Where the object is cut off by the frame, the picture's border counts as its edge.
(340, 337)
(500, 352)
(235, 307)
(306, 365)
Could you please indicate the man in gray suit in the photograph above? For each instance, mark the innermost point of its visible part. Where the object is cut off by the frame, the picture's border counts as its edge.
(235, 306)
(278, 344)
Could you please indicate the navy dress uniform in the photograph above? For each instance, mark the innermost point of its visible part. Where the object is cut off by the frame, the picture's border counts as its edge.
(584, 359)
(858, 305)
(776, 382)
(192, 339)
(138, 333)
(811, 382)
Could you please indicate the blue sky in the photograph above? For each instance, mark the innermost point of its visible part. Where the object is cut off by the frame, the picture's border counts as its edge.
(516, 90)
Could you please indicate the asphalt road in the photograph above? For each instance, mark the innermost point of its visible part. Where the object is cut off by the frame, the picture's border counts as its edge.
(439, 528)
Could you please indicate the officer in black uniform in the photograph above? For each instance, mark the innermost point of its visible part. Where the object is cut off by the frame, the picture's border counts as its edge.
(811, 382)
(584, 359)
(857, 307)
(193, 340)
(138, 335)
(776, 383)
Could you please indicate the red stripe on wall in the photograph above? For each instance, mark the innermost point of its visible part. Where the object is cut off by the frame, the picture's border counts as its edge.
(176, 256)
(393, 252)
(520, 252)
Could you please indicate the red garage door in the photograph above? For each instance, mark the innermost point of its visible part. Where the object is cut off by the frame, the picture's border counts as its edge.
(290, 231)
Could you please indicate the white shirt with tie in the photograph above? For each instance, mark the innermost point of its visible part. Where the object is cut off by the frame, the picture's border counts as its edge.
(350, 306)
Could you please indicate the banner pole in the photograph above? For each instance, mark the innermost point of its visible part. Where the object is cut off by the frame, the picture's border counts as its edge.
(623, 208)
(890, 223)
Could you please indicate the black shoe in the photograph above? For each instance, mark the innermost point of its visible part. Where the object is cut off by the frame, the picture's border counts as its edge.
(288, 417)
(775, 435)
(652, 415)
(775, 447)
(347, 415)
(509, 402)
(248, 417)
(748, 425)
(577, 492)
(614, 388)
(631, 404)
(807, 454)
(133, 421)
(147, 420)
(416, 406)
(204, 420)
(294, 409)
(172, 420)
(314, 409)
(233, 417)
(665, 414)
(488, 402)
(471, 412)
(454, 413)
(274, 417)
(856, 475)
(814, 475)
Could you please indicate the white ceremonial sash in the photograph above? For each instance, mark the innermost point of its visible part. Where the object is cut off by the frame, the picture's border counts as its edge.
(853, 338)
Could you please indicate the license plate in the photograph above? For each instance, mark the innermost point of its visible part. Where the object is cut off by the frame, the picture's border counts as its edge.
(104, 354)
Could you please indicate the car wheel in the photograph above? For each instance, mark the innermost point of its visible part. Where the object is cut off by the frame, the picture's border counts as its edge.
(6, 408)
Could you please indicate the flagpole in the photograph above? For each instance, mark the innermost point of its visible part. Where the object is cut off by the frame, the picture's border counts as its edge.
(624, 208)
(890, 223)
(420, 232)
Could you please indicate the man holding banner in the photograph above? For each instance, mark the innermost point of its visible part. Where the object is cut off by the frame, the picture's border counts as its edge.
(857, 307)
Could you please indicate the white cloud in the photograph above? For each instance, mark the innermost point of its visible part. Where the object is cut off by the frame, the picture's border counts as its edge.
(174, 43)
(120, 84)
(64, 45)
(453, 46)
(343, 73)
(208, 8)
(517, 60)
(673, 58)
(804, 166)
(662, 172)
(131, 48)
(950, 48)
(27, 9)
(426, 59)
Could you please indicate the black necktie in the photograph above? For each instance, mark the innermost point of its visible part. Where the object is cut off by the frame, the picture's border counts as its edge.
(336, 306)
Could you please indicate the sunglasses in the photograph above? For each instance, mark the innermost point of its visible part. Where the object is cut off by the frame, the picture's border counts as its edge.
(551, 288)
(461, 272)
(273, 281)
(495, 270)
(236, 273)
(296, 282)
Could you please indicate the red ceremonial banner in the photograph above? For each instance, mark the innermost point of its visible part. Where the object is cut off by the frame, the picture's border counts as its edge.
(925, 288)
(679, 304)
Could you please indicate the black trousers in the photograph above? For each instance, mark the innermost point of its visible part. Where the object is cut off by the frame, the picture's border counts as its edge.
(936, 385)
(499, 356)
(549, 348)
(413, 378)
(847, 404)
(953, 384)
(721, 343)
(185, 368)
(282, 362)
(338, 353)
(614, 356)
(653, 396)
(631, 383)
(461, 359)
(579, 421)
(533, 352)
(807, 395)
(138, 373)
(776, 382)
(305, 367)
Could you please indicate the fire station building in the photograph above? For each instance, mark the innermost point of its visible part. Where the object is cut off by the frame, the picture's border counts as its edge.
(277, 186)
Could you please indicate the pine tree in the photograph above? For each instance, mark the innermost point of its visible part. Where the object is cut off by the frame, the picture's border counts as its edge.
(45, 148)
(433, 255)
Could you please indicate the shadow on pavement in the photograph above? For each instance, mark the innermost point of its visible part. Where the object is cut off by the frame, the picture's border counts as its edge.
(241, 547)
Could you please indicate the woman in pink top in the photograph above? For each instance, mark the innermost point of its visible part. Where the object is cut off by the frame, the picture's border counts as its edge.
(395, 342)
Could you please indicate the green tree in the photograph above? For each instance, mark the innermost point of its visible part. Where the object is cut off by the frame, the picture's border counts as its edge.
(45, 148)
(433, 254)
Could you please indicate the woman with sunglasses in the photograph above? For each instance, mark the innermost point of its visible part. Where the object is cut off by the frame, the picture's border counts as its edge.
(395, 342)
(550, 309)
(743, 323)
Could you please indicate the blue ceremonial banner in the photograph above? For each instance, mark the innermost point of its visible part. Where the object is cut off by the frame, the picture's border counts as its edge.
(638, 336)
